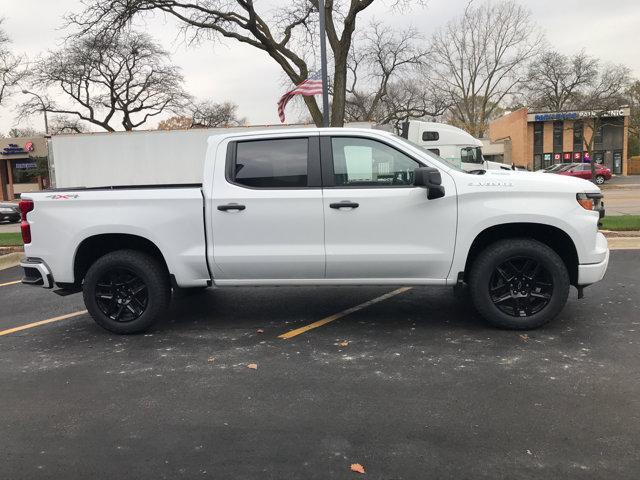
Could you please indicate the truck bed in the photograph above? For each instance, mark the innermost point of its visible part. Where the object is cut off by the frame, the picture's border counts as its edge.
(169, 216)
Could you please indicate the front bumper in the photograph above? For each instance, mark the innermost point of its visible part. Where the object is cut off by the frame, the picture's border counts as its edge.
(593, 272)
(36, 272)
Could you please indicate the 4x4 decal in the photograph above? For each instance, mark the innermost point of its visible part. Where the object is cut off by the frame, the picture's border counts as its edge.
(67, 196)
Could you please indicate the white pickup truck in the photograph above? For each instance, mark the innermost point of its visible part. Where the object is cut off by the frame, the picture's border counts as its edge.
(320, 207)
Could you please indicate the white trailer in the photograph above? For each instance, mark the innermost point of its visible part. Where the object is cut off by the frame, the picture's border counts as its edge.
(156, 157)
(150, 157)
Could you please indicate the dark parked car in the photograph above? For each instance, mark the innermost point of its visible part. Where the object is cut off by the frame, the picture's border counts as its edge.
(9, 212)
(583, 170)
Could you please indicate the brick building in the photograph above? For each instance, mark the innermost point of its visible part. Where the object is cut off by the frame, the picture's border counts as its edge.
(18, 165)
(541, 139)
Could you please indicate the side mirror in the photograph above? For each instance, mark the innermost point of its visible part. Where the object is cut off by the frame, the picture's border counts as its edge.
(431, 179)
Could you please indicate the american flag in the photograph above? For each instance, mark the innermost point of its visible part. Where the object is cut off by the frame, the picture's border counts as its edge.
(309, 87)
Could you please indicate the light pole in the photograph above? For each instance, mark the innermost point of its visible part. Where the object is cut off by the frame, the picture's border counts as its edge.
(44, 109)
(323, 64)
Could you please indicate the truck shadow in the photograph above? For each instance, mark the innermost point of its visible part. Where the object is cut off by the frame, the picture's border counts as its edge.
(289, 308)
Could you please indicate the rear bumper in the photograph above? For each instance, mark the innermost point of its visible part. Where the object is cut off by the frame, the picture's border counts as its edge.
(36, 272)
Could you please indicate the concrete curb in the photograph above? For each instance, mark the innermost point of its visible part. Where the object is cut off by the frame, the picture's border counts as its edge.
(624, 243)
(10, 260)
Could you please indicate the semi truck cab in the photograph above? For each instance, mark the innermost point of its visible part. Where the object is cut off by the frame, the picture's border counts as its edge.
(450, 143)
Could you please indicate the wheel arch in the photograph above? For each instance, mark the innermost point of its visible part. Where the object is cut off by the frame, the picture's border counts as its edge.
(554, 237)
(96, 246)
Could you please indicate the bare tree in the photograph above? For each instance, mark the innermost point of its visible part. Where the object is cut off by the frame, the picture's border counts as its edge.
(205, 114)
(211, 114)
(284, 34)
(605, 93)
(633, 95)
(383, 84)
(107, 79)
(25, 132)
(64, 124)
(479, 59)
(556, 81)
(177, 122)
(11, 71)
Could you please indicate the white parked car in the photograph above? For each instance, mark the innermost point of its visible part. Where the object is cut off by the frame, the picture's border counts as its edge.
(320, 207)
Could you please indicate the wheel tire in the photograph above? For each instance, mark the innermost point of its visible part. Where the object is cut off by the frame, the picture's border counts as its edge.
(496, 255)
(148, 270)
(599, 179)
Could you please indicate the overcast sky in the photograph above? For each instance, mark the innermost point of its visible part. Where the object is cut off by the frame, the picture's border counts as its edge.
(248, 77)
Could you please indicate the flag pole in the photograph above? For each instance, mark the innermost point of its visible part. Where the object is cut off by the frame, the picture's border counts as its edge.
(323, 62)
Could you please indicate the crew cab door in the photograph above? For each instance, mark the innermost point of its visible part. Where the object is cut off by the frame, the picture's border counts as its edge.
(266, 210)
(378, 226)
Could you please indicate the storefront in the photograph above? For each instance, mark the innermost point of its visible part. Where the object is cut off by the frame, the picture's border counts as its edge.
(23, 166)
(542, 139)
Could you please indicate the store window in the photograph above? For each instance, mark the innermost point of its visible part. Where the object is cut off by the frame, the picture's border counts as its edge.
(558, 134)
(537, 161)
(578, 136)
(538, 137)
(597, 137)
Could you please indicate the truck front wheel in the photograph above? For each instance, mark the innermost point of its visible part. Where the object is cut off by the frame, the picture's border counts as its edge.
(126, 291)
(519, 284)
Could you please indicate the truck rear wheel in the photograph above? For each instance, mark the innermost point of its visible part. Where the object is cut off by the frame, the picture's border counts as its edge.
(519, 284)
(126, 291)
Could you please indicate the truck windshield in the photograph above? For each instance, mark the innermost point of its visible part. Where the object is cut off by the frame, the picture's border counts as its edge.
(471, 155)
(431, 154)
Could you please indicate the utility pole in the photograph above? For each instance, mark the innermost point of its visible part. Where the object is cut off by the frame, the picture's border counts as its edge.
(323, 62)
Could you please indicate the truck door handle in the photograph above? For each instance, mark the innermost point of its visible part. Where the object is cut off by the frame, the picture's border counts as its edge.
(344, 204)
(231, 206)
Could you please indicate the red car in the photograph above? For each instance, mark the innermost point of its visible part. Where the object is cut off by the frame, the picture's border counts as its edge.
(583, 170)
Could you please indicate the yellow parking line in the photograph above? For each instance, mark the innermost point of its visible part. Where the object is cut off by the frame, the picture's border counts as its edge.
(41, 322)
(344, 313)
(9, 283)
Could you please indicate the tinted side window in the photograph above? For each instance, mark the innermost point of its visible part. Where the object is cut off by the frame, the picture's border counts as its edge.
(367, 163)
(277, 163)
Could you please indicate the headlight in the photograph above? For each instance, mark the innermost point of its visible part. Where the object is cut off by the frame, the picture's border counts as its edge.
(591, 201)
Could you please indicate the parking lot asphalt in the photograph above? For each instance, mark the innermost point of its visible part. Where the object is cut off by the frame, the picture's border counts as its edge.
(413, 387)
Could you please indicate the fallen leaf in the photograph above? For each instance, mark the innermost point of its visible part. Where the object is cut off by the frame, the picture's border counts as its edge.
(356, 467)
(260, 330)
(211, 359)
(344, 344)
(524, 337)
(253, 366)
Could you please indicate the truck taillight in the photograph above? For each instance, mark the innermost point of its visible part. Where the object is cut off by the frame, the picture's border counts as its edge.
(25, 207)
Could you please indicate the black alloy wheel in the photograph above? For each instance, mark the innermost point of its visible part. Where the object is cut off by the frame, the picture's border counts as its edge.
(518, 283)
(521, 287)
(121, 295)
(127, 291)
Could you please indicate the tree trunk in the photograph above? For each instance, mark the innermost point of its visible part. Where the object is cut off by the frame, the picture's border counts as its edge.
(314, 110)
(339, 87)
